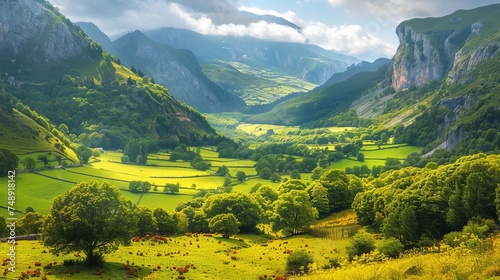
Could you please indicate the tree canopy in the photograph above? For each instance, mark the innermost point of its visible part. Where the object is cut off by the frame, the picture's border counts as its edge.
(92, 217)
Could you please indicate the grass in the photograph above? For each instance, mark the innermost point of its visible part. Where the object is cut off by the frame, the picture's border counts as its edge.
(249, 257)
(23, 136)
(260, 129)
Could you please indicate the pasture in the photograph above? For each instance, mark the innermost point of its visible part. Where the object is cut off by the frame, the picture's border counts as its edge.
(244, 254)
(261, 129)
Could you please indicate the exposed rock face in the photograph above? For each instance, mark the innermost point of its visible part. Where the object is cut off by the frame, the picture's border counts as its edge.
(176, 69)
(448, 47)
(420, 59)
(29, 30)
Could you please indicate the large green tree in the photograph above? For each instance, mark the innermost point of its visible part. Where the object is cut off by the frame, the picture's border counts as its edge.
(92, 217)
(293, 213)
(227, 224)
(243, 206)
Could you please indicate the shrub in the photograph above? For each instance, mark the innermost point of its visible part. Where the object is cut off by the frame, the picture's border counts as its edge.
(125, 159)
(391, 247)
(298, 261)
(360, 244)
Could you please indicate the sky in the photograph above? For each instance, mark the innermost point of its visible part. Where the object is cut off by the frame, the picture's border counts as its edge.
(362, 28)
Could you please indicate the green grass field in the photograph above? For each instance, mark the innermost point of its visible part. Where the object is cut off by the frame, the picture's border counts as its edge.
(260, 129)
(210, 257)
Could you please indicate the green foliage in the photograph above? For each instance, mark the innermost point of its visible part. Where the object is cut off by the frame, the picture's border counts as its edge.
(31, 223)
(293, 213)
(139, 186)
(360, 244)
(243, 206)
(165, 222)
(124, 159)
(298, 262)
(222, 171)
(29, 163)
(241, 176)
(83, 153)
(295, 174)
(91, 217)
(391, 247)
(171, 188)
(227, 224)
(146, 224)
(8, 162)
(319, 198)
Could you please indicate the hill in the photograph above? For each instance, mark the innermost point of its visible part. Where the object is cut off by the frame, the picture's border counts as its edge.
(68, 79)
(176, 69)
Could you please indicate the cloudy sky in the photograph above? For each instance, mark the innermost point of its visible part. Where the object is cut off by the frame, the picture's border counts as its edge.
(363, 28)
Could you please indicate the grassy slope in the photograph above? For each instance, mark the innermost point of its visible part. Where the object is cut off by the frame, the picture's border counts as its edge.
(21, 135)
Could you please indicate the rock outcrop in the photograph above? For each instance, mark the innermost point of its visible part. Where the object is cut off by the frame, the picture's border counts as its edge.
(34, 31)
(448, 47)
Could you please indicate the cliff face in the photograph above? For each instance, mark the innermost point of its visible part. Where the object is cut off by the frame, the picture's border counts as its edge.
(33, 31)
(448, 47)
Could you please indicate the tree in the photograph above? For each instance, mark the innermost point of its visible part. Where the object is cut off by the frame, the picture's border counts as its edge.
(384, 138)
(291, 185)
(125, 159)
(265, 173)
(44, 159)
(146, 224)
(83, 153)
(31, 223)
(132, 149)
(29, 163)
(360, 244)
(8, 161)
(319, 198)
(242, 205)
(171, 188)
(295, 174)
(361, 157)
(337, 183)
(227, 224)
(165, 222)
(222, 171)
(298, 261)
(293, 213)
(96, 153)
(227, 180)
(241, 176)
(275, 177)
(139, 186)
(92, 217)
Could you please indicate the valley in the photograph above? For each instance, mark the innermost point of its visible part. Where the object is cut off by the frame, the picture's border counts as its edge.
(236, 148)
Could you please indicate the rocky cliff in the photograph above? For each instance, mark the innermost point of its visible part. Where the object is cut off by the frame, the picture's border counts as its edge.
(451, 46)
(35, 31)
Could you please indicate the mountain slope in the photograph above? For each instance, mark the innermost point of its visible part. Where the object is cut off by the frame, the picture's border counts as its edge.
(363, 66)
(103, 103)
(305, 62)
(450, 46)
(176, 69)
(97, 35)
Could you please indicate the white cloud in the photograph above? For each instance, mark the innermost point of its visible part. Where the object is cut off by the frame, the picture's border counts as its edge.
(397, 10)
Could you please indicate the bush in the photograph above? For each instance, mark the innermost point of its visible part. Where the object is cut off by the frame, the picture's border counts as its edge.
(391, 247)
(453, 239)
(298, 261)
(125, 159)
(360, 244)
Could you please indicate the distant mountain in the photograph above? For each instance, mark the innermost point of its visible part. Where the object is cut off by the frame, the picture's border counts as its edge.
(97, 35)
(176, 69)
(61, 74)
(301, 60)
(440, 91)
(363, 66)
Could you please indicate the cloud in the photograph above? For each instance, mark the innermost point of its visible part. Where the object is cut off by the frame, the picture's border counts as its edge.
(351, 39)
(220, 17)
(395, 11)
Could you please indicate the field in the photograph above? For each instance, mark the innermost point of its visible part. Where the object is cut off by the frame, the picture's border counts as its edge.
(260, 129)
(244, 254)
(256, 84)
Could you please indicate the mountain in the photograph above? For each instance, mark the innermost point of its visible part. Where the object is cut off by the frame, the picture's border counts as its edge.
(103, 103)
(176, 69)
(451, 46)
(35, 40)
(363, 66)
(440, 91)
(97, 35)
(296, 59)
